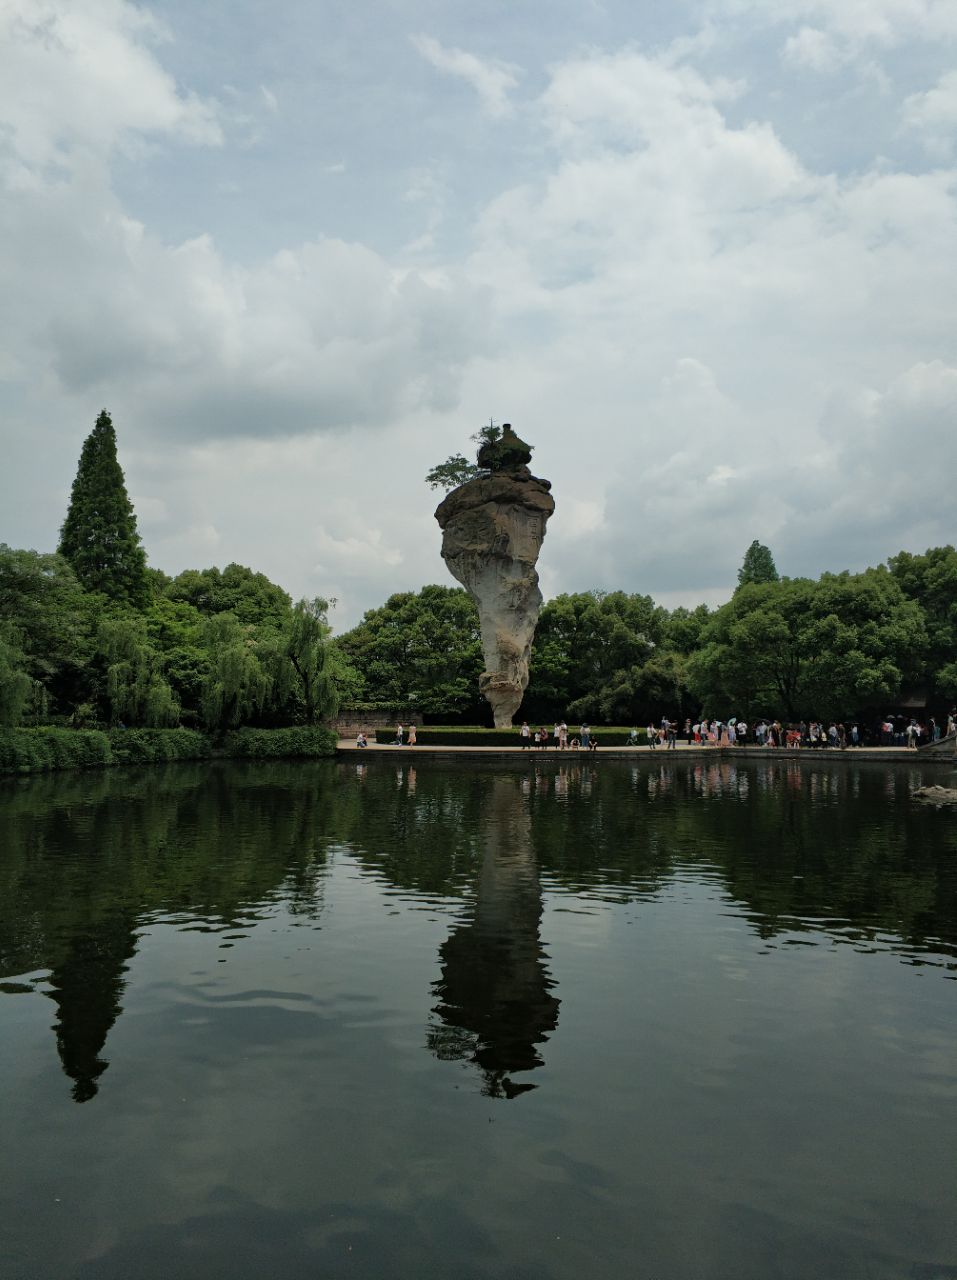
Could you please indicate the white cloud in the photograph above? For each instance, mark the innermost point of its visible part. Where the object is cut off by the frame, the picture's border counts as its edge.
(492, 80)
(77, 81)
(858, 22)
(707, 338)
(815, 49)
(933, 114)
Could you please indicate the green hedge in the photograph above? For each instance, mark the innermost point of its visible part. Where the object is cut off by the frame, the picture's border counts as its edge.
(39, 750)
(469, 736)
(271, 744)
(149, 746)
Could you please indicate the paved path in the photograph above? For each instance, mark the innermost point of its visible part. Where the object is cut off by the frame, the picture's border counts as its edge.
(682, 748)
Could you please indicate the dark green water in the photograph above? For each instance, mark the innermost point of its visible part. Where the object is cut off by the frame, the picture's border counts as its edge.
(388, 1018)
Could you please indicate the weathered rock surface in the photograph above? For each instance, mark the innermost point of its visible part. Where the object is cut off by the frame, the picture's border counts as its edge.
(492, 531)
(936, 795)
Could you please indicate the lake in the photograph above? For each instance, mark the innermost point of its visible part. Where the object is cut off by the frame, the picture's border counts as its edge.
(527, 1019)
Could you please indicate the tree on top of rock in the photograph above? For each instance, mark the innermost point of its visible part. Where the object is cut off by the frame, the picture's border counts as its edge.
(499, 449)
(758, 565)
(99, 536)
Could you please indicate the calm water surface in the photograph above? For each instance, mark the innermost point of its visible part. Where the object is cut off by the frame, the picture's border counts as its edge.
(534, 1020)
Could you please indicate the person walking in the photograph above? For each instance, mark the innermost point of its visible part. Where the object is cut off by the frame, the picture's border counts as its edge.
(399, 734)
(411, 735)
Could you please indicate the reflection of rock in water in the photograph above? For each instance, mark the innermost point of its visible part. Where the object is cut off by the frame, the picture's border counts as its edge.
(87, 986)
(495, 1003)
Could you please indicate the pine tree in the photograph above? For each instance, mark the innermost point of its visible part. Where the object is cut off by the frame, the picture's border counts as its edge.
(99, 536)
(758, 565)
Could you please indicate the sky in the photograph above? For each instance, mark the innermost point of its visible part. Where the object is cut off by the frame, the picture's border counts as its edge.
(702, 255)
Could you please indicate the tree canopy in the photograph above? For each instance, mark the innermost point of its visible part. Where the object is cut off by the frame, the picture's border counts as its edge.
(802, 647)
(421, 649)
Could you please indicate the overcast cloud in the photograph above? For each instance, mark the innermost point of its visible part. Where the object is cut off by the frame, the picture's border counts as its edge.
(706, 263)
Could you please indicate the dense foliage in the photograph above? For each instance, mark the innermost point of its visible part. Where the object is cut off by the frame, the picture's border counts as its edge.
(842, 645)
(422, 650)
(92, 639)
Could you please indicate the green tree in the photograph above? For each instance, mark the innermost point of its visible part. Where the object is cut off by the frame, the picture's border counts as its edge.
(177, 631)
(137, 690)
(421, 649)
(588, 654)
(16, 687)
(250, 597)
(307, 661)
(55, 622)
(99, 536)
(236, 686)
(798, 647)
(758, 565)
(931, 581)
(456, 469)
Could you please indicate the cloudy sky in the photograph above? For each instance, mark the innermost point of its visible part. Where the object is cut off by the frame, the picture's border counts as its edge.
(702, 255)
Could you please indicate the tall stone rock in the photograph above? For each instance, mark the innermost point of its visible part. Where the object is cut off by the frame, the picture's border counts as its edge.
(492, 531)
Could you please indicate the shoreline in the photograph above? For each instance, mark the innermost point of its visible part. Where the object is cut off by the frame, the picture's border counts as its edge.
(892, 755)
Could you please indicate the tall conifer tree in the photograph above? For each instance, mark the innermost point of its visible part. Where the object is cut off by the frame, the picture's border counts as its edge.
(758, 565)
(99, 536)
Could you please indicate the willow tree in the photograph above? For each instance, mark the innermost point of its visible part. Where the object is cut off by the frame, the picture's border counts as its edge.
(237, 685)
(305, 659)
(99, 536)
(16, 687)
(136, 686)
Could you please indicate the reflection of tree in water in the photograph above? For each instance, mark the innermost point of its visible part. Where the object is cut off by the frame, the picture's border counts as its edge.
(88, 859)
(86, 986)
(495, 1005)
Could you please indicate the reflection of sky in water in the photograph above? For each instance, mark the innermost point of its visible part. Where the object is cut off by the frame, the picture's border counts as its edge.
(293, 1000)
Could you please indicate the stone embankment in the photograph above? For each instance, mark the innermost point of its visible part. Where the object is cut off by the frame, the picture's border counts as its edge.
(882, 755)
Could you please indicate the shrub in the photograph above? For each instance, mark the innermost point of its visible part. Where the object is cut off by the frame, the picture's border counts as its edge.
(39, 750)
(147, 746)
(271, 744)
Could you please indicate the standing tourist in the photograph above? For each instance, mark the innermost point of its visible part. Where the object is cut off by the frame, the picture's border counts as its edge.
(399, 734)
(585, 735)
(526, 735)
(652, 736)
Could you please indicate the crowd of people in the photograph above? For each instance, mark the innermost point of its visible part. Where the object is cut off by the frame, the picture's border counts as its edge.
(891, 731)
(531, 738)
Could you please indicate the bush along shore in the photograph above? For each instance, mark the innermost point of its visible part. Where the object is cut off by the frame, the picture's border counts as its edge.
(44, 749)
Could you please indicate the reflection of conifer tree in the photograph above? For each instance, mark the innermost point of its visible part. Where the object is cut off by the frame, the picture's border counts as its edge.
(87, 986)
(494, 997)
